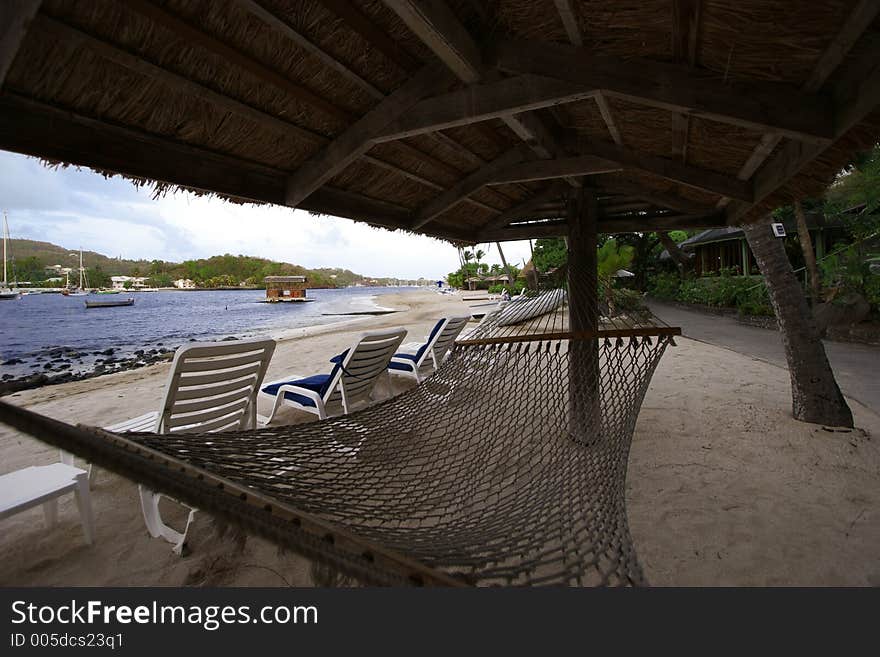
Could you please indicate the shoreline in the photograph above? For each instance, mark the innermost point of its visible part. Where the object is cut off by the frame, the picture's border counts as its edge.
(62, 364)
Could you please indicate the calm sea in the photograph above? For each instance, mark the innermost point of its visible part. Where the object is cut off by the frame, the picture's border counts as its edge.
(37, 323)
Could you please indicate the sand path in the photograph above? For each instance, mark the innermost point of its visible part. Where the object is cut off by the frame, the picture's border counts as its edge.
(724, 486)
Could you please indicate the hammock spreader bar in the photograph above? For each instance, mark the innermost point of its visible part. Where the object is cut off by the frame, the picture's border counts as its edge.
(310, 536)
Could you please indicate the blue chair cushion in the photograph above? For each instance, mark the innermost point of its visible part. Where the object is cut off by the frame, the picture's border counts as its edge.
(338, 358)
(413, 357)
(316, 383)
(405, 367)
(434, 332)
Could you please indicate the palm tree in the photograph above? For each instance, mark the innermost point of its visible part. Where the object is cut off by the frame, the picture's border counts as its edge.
(612, 257)
(815, 395)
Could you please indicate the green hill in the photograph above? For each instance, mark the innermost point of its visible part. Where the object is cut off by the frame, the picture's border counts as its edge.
(30, 260)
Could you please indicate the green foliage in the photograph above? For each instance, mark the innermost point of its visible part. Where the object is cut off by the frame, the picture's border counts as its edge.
(745, 293)
(858, 184)
(848, 272)
(516, 288)
(665, 285)
(627, 300)
(613, 256)
(549, 253)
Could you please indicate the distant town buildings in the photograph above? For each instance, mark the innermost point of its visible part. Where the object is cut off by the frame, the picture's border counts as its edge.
(184, 284)
(136, 282)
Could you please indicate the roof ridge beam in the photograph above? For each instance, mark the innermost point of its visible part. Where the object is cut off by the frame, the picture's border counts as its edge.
(764, 106)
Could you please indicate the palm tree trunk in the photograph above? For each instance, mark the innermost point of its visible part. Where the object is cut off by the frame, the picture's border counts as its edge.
(678, 256)
(815, 395)
(809, 254)
(507, 268)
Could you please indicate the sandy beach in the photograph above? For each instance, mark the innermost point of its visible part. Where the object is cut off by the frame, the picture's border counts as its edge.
(724, 487)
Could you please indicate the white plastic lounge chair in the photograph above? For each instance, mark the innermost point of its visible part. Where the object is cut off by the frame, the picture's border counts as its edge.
(413, 358)
(349, 384)
(44, 484)
(213, 386)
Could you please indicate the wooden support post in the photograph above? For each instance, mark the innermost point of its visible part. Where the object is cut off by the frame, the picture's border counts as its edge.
(583, 316)
(745, 257)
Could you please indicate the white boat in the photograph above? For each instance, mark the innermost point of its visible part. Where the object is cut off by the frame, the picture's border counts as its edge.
(82, 289)
(7, 293)
(522, 308)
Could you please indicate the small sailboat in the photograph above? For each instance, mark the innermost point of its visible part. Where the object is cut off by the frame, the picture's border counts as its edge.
(7, 293)
(81, 290)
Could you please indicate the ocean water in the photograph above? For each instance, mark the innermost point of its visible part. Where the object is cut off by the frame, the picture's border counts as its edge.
(38, 323)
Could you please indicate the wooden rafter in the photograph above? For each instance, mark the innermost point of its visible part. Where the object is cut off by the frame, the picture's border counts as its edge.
(465, 187)
(15, 19)
(572, 29)
(360, 137)
(192, 35)
(662, 199)
(860, 18)
(569, 21)
(436, 25)
(482, 102)
(674, 87)
(110, 52)
(583, 165)
(85, 141)
(691, 176)
(685, 38)
(256, 9)
(856, 94)
(606, 225)
(524, 209)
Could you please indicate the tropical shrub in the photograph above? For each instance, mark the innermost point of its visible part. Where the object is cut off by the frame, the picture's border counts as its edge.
(664, 285)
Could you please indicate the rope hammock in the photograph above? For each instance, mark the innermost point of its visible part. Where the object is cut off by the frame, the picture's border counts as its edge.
(507, 467)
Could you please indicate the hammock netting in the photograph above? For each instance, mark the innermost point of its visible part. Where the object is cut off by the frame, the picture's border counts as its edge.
(506, 467)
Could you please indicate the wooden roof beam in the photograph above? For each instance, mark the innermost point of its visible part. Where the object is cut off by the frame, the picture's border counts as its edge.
(859, 19)
(260, 12)
(175, 81)
(436, 25)
(659, 198)
(673, 87)
(854, 96)
(360, 137)
(15, 19)
(685, 37)
(607, 225)
(84, 141)
(482, 102)
(569, 21)
(525, 209)
(465, 187)
(691, 176)
(192, 35)
(584, 165)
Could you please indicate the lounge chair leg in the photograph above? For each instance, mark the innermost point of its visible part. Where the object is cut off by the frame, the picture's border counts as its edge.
(153, 520)
(84, 503)
(50, 510)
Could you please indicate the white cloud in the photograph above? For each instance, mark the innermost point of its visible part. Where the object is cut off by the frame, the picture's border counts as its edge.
(76, 208)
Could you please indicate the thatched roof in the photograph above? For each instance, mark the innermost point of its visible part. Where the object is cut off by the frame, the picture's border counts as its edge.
(467, 120)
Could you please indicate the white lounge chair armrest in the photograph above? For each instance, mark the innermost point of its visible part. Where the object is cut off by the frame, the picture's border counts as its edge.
(305, 392)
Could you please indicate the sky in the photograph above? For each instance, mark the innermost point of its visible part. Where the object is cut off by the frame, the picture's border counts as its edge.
(79, 208)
